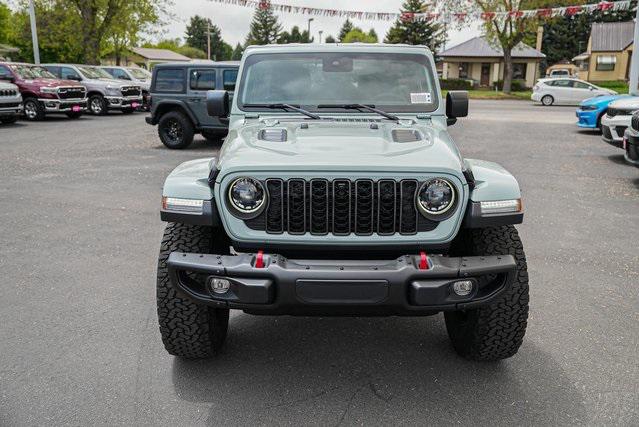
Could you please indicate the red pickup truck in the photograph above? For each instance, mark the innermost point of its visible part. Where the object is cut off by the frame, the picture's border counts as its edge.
(43, 93)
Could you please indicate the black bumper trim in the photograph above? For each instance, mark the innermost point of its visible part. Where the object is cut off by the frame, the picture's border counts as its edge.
(341, 287)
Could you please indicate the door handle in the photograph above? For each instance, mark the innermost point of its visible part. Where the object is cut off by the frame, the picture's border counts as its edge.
(195, 100)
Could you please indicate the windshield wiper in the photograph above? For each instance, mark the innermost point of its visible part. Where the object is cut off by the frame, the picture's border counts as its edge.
(285, 107)
(360, 107)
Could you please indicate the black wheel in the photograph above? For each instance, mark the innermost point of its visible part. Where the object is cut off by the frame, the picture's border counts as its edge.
(175, 130)
(74, 115)
(189, 330)
(98, 105)
(547, 100)
(127, 111)
(496, 331)
(33, 109)
(9, 120)
(215, 137)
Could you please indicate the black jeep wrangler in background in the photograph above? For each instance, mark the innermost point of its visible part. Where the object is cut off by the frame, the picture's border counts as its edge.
(178, 100)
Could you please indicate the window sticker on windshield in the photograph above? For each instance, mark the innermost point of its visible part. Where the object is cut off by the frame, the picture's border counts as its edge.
(420, 98)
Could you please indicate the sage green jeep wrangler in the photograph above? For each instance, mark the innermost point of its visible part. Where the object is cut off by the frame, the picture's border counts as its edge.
(339, 192)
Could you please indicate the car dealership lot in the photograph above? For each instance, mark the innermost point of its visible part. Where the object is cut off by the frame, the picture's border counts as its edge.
(80, 344)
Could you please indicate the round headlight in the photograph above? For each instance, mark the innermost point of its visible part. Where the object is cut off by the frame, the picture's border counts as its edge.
(436, 197)
(247, 195)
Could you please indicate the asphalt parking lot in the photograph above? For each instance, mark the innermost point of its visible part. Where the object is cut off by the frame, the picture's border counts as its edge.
(79, 342)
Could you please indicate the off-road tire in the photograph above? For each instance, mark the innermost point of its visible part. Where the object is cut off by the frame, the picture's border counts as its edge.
(9, 120)
(33, 110)
(175, 121)
(74, 115)
(547, 100)
(98, 105)
(495, 331)
(189, 330)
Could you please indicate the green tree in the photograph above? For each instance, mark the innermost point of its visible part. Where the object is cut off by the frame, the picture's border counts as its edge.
(265, 28)
(295, 36)
(5, 19)
(196, 32)
(237, 52)
(356, 35)
(330, 39)
(346, 28)
(407, 31)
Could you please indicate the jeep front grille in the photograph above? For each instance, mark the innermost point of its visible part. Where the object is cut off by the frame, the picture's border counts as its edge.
(72, 93)
(341, 207)
(8, 92)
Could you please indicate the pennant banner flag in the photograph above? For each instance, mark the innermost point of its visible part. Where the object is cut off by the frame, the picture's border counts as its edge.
(450, 17)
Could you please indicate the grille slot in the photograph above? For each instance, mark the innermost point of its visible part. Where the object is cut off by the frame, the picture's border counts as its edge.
(71, 93)
(131, 91)
(342, 207)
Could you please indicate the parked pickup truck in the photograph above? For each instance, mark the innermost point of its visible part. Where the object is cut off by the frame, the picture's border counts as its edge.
(133, 75)
(339, 192)
(10, 103)
(104, 92)
(43, 93)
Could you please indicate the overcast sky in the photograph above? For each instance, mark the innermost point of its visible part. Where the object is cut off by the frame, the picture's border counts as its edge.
(234, 21)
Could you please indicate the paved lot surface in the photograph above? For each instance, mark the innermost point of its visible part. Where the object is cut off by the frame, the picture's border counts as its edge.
(78, 337)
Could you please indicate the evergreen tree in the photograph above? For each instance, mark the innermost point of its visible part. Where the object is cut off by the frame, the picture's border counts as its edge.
(265, 29)
(372, 34)
(346, 28)
(295, 36)
(237, 52)
(356, 35)
(330, 39)
(428, 33)
(196, 37)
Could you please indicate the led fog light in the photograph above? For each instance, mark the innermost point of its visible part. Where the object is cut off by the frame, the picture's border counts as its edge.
(463, 288)
(187, 206)
(501, 206)
(219, 286)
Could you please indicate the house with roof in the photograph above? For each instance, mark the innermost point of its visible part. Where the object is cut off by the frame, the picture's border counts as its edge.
(6, 51)
(145, 57)
(609, 52)
(482, 61)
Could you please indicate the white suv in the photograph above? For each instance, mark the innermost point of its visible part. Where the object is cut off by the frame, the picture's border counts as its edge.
(617, 120)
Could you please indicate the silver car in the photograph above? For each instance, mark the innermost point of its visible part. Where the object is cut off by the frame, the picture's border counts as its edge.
(133, 75)
(617, 120)
(565, 91)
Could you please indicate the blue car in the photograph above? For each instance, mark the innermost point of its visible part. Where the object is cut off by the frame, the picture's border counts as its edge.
(592, 110)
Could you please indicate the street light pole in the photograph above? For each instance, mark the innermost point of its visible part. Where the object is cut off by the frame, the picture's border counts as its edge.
(320, 35)
(34, 33)
(633, 84)
(309, 28)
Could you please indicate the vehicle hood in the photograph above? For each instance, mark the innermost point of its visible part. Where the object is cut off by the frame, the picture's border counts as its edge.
(52, 82)
(104, 82)
(340, 146)
(8, 86)
(601, 101)
(625, 103)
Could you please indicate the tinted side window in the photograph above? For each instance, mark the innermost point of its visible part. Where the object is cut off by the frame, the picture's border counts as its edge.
(120, 74)
(170, 80)
(581, 85)
(4, 71)
(229, 77)
(66, 73)
(54, 70)
(563, 83)
(203, 79)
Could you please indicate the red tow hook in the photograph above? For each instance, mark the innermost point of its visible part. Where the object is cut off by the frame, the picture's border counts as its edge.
(423, 261)
(259, 259)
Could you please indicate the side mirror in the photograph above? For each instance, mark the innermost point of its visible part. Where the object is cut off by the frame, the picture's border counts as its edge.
(217, 103)
(456, 105)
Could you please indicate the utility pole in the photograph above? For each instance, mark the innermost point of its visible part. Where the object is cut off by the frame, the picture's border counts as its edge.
(208, 39)
(633, 84)
(34, 33)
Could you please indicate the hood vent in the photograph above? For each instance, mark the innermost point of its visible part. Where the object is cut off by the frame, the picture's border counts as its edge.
(273, 135)
(406, 135)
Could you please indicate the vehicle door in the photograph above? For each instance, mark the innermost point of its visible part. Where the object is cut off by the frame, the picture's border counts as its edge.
(582, 90)
(201, 80)
(562, 91)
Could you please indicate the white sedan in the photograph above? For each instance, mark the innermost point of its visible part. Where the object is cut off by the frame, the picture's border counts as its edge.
(564, 91)
(617, 120)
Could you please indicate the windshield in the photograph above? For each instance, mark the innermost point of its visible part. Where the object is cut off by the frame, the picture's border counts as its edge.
(396, 82)
(32, 72)
(95, 73)
(139, 73)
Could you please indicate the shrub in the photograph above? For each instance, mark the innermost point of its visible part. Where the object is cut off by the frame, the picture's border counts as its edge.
(456, 84)
(516, 85)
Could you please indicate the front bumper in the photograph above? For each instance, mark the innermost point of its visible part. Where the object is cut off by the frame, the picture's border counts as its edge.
(631, 147)
(587, 119)
(120, 102)
(535, 97)
(613, 129)
(12, 110)
(321, 287)
(64, 105)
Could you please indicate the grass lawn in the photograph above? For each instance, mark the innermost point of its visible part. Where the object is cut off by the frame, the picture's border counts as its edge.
(617, 86)
(491, 94)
